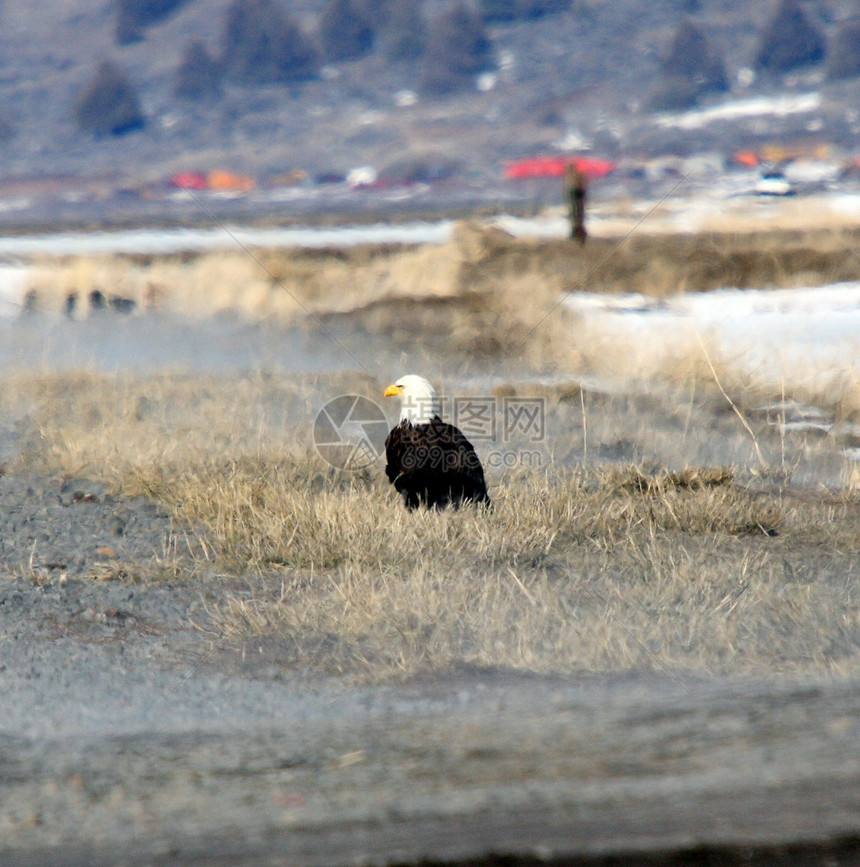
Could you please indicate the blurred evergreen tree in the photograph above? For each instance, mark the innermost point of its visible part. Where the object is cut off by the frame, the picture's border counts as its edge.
(530, 9)
(401, 31)
(499, 10)
(260, 44)
(691, 56)
(132, 16)
(109, 105)
(674, 93)
(198, 76)
(789, 40)
(345, 32)
(689, 69)
(457, 49)
(520, 10)
(843, 57)
(7, 130)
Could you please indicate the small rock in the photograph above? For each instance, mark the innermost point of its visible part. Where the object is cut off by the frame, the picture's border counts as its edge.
(84, 497)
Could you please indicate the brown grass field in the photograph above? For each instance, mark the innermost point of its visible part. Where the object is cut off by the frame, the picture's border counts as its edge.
(640, 561)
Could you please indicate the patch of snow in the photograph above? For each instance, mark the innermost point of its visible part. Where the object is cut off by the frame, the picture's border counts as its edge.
(362, 176)
(405, 98)
(807, 338)
(746, 76)
(486, 81)
(572, 141)
(165, 241)
(13, 285)
(846, 204)
(811, 171)
(779, 106)
(17, 204)
(806, 426)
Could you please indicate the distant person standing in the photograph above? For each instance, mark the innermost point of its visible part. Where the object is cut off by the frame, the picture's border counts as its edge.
(576, 183)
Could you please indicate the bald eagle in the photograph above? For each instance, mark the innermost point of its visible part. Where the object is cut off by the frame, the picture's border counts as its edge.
(430, 462)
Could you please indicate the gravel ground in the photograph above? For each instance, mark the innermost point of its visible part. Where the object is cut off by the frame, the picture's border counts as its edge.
(73, 620)
(128, 736)
(54, 527)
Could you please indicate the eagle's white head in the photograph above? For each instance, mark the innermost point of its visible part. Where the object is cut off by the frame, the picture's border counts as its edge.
(418, 401)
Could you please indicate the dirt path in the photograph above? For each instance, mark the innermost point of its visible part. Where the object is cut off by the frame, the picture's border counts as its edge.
(125, 738)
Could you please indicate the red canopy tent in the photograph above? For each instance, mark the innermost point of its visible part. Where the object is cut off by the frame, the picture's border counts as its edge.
(746, 158)
(555, 166)
(189, 181)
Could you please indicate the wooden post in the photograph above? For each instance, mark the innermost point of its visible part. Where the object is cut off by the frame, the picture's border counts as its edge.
(576, 183)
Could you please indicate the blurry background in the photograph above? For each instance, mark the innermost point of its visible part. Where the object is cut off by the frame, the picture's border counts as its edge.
(112, 107)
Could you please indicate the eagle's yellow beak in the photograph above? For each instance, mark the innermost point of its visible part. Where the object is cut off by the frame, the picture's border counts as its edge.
(393, 391)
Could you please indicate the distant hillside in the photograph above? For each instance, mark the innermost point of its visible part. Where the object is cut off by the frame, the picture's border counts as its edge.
(581, 77)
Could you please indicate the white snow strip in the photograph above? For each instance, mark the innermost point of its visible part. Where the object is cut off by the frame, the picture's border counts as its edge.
(164, 241)
(778, 105)
(796, 337)
(13, 286)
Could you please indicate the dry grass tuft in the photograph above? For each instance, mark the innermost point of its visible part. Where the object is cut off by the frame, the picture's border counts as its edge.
(690, 478)
(618, 585)
(270, 511)
(568, 572)
(607, 566)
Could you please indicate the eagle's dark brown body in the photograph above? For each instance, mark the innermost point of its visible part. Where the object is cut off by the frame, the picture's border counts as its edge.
(434, 465)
